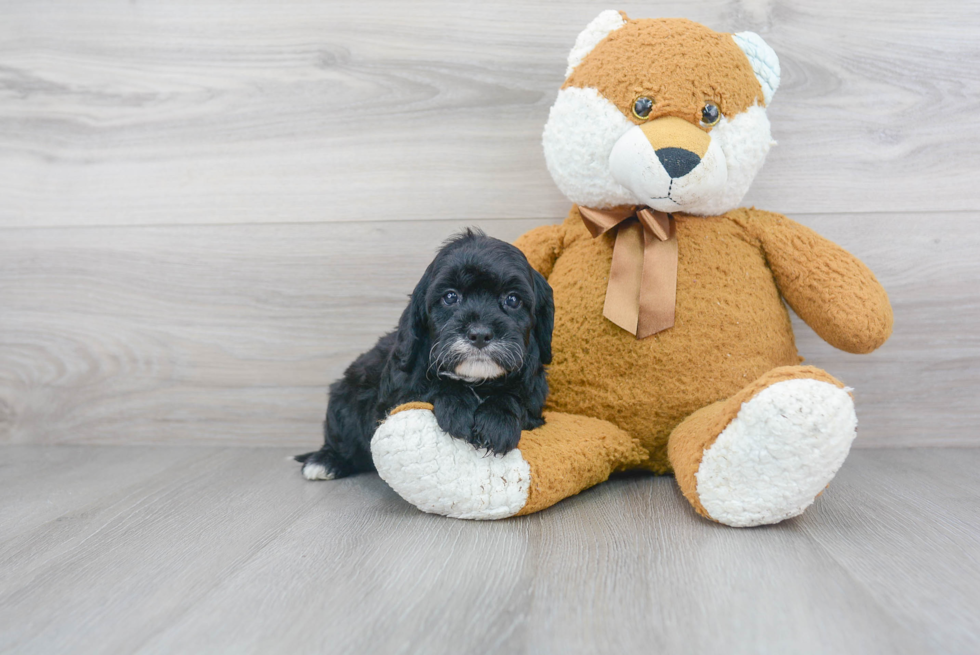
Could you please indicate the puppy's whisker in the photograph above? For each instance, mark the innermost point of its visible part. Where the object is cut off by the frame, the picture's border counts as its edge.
(431, 361)
(509, 355)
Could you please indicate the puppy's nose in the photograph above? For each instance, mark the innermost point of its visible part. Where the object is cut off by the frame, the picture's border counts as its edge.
(479, 335)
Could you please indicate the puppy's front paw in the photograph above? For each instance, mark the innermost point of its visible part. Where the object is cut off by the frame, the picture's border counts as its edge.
(455, 417)
(495, 429)
(440, 474)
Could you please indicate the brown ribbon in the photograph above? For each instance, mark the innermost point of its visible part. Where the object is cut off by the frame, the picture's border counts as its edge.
(642, 288)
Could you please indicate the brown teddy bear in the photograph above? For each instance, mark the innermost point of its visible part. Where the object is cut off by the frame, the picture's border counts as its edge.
(673, 348)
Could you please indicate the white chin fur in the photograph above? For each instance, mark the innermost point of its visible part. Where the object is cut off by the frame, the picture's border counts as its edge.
(598, 158)
(475, 369)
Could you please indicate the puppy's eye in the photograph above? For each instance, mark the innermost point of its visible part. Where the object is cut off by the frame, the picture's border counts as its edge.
(512, 301)
(710, 115)
(642, 107)
(450, 298)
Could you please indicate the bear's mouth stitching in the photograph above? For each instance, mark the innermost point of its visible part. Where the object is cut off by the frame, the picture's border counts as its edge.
(667, 197)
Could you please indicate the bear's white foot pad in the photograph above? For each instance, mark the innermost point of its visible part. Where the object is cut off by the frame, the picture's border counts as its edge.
(780, 451)
(440, 474)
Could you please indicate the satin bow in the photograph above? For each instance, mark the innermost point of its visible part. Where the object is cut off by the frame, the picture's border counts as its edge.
(642, 288)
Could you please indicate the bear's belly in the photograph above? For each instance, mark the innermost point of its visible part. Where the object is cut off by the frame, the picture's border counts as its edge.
(730, 327)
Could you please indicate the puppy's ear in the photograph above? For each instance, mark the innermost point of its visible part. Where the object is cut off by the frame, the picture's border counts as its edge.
(544, 315)
(412, 338)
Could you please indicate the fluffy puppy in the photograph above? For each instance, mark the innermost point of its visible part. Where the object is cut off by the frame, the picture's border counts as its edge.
(473, 341)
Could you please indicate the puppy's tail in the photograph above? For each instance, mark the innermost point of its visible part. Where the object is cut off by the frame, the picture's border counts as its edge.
(305, 456)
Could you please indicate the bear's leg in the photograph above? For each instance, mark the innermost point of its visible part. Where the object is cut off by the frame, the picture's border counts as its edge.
(767, 452)
(440, 474)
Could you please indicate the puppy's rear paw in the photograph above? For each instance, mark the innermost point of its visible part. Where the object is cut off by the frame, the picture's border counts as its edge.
(319, 465)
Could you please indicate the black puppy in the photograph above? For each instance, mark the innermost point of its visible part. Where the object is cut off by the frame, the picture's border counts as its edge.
(473, 341)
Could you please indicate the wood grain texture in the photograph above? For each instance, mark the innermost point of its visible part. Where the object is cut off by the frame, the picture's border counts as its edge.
(212, 334)
(117, 113)
(51, 481)
(231, 334)
(229, 550)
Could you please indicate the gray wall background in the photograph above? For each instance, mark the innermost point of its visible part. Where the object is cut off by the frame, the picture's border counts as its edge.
(207, 209)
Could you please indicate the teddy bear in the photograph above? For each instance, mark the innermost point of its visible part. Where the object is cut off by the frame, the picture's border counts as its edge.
(673, 349)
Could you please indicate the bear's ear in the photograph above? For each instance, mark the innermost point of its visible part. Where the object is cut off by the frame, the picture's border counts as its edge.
(765, 63)
(600, 27)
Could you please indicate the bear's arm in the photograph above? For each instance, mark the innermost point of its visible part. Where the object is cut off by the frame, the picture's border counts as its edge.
(542, 246)
(829, 288)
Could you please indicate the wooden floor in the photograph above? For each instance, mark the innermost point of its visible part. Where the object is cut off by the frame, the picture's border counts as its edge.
(211, 550)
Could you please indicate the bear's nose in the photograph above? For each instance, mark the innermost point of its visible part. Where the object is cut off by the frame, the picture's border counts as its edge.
(679, 145)
(677, 161)
(479, 335)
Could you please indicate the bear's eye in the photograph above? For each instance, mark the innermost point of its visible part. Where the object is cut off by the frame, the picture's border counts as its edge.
(710, 115)
(642, 107)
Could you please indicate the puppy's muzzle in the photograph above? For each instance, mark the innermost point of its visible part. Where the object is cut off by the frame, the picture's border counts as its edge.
(478, 355)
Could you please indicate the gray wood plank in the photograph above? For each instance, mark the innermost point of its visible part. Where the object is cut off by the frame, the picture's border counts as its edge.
(611, 571)
(234, 552)
(230, 334)
(920, 511)
(118, 113)
(138, 557)
(39, 486)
